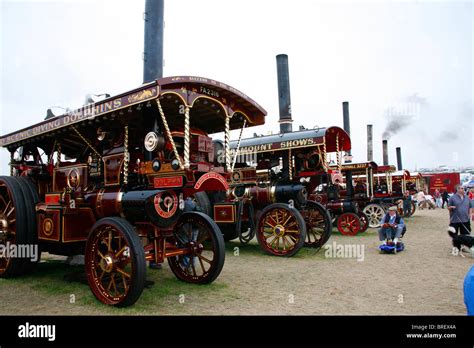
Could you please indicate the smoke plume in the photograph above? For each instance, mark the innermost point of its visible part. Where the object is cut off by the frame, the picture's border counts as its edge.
(402, 115)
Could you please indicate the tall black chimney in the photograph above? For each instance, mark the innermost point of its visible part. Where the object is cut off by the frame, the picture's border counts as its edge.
(370, 144)
(347, 128)
(345, 114)
(154, 27)
(284, 100)
(152, 58)
(399, 158)
(385, 152)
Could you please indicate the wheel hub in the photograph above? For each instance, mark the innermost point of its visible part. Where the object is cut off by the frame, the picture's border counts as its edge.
(195, 247)
(279, 230)
(3, 225)
(107, 264)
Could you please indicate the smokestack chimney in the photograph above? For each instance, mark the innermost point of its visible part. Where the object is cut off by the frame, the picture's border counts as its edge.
(399, 158)
(370, 144)
(284, 100)
(154, 27)
(347, 128)
(385, 152)
(345, 114)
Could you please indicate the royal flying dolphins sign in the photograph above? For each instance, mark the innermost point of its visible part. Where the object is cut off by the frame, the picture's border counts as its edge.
(89, 111)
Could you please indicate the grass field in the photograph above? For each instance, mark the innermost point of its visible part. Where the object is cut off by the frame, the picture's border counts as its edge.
(426, 276)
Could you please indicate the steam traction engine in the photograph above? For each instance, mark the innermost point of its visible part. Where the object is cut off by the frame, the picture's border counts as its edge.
(117, 181)
(270, 185)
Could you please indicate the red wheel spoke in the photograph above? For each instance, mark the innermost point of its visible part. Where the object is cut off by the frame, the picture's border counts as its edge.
(3, 200)
(100, 254)
(109, 242)
(202, 237)
(268, 222)
(192, 265)
(286, 221)
(120, 251)
(292, 231)
(291, 241)
(115, 285)
(202, 264)
(101, 276)
(110, 283)
(268, 230)
(11, 211)
(204, 258)
(122, 272)
(6, 207)
(190, 232)
(124, 283)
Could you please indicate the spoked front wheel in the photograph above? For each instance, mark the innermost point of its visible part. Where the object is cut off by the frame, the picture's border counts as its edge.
(115, 262)
(281, 230)
(13, 225)
(203, 249)
(375, 213)
(318, 224)
(348, 224)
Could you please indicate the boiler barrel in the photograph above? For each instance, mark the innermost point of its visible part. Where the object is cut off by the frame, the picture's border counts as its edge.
(340, 207)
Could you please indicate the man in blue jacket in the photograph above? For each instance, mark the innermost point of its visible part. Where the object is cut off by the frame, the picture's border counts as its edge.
(392, 227)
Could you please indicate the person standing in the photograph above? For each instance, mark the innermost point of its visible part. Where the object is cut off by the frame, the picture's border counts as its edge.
(471, 193)
(460, 210)
(445, 197)
(407, 204)
(437, 197)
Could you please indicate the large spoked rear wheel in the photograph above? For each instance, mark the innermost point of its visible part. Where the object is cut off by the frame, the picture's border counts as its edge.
(318, 224)
(31, 196)
(375, 213)
(14, 226)
(200, 236)
(281, 230)
(348, 224)
(115, 262)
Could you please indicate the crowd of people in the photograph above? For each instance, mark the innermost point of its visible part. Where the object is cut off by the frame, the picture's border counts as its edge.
(461, 211)
(438, 199)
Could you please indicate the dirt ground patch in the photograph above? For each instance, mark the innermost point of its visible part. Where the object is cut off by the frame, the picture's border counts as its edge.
(423, 279)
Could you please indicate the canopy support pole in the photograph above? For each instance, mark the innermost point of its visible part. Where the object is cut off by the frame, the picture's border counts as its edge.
(238, 145)
(168, 133)
(186, 137)
(227, 143)
(126, 156)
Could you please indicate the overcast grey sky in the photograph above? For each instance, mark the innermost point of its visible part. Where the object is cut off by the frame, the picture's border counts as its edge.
(407, 58)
